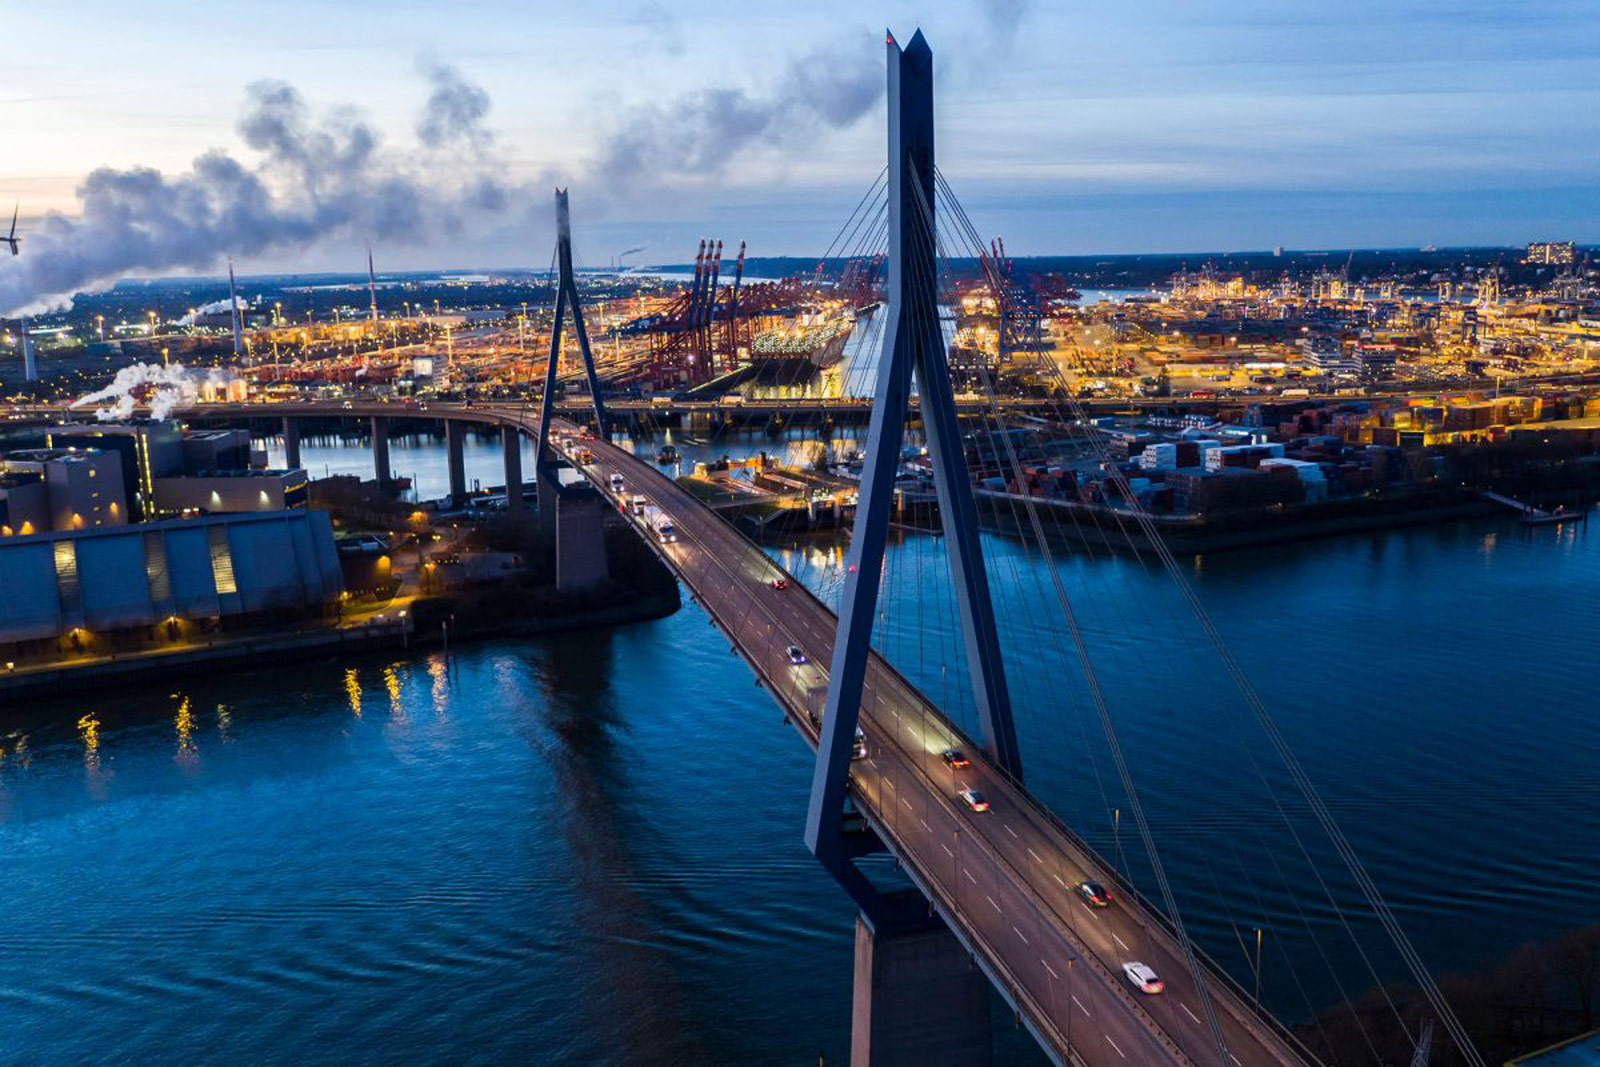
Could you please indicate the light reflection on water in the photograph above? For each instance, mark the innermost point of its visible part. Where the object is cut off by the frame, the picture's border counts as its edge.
(587, 849)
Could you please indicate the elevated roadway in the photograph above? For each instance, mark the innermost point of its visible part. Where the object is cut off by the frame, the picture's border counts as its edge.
(1005, 880)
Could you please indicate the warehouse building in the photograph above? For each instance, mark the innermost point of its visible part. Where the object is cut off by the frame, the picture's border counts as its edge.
(123, 587)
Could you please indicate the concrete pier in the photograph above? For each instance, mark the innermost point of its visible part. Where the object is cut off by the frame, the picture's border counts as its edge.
(580, 523)
(920, 1001)
(380, 451)
(291, 443)
(511, 443)
(455, 437)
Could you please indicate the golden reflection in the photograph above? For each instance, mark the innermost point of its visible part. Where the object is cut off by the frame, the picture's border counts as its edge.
(391, 682)
(183, 723)
(352, 688)
(440, 673)
(89, 730)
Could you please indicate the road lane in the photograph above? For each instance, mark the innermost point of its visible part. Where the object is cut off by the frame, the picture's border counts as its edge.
(1035, 926)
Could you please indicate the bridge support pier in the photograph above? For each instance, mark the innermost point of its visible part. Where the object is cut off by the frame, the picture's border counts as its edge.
(580, 524)
(455, 436)
(380, 451)
(511, 445)
(920, 1000)
(291, 443)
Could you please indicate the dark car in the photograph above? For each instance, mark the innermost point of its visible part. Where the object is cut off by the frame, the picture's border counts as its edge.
(779, 584)
(797, 655)
(954, 757)
(1095, 894)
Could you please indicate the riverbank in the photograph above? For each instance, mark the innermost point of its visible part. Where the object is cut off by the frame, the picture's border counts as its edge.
(217, 656)
(1072, 522)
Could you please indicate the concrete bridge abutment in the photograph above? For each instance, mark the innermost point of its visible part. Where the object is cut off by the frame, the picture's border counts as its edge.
(380, 451)
(455, 436)
(920, 1000)
(511, 445)
(291, 443)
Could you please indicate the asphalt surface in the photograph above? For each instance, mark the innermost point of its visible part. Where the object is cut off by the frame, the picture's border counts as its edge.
(1006, 875)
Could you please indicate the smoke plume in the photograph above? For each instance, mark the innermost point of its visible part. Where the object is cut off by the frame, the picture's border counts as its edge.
(1004, 17)
(454, 112)
(696, 135)
(311, 177)
(164, 388)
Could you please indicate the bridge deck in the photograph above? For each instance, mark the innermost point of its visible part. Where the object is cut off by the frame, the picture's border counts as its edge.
(1003, 878)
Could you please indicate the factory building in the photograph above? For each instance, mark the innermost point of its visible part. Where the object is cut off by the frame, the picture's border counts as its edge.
(123, 586)
(215, 492)
(149, 450)
(24, 503)
(83, 489)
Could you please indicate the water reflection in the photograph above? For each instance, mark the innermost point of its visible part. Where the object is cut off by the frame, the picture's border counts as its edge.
(352, 689)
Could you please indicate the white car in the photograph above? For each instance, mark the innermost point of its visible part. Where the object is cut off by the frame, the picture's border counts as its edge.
(1143, 978)
(974, 799)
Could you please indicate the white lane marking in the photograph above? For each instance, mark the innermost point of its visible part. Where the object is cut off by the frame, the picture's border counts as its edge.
(1235, 1059)
(968, 873)
(1057, 877)
(1113, 1044)
(907, 803)
(992, 904)
(1035, 856)
(1187, 1012)
(947, 851)
(1119, 941)
(1081, 1008)
(925, 825)
(1019, 934)
(1009, 830)
(1051, 969)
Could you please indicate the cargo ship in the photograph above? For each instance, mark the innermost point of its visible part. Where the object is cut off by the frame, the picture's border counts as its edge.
(800, 350)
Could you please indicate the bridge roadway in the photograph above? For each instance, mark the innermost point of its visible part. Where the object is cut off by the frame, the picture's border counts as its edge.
(1002, 879)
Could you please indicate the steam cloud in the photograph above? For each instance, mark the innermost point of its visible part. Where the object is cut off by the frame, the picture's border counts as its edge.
(454, 112)
(166, 389)
(316, 177)
(696, 135)
(1004, 17)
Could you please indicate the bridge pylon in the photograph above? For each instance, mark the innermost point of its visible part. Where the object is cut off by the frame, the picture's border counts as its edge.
(566, 299)
(913, 343)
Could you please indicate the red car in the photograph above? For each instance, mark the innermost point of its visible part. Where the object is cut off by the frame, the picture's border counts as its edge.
(779, 584)
(954, 757)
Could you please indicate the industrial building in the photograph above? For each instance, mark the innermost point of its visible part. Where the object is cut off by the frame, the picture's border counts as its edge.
(149, 450)
(216, 492)
(82, 490)
(126, 586)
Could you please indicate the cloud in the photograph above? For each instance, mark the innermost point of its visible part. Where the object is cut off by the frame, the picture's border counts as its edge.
(660, 25)
(698, 134)
(455, 110)
(1003, 18)
(310, 178)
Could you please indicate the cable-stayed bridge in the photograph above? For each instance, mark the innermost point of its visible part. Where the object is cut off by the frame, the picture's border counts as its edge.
(992, 891)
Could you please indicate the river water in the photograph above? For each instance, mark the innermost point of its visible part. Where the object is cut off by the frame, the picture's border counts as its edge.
(586, 849)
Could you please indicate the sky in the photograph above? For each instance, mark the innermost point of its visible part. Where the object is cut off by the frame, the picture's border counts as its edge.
(437, 130)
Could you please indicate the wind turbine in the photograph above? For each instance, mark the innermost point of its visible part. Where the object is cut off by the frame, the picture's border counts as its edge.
(13, 240)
